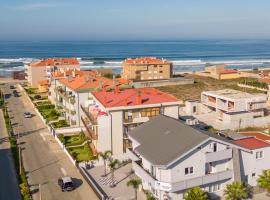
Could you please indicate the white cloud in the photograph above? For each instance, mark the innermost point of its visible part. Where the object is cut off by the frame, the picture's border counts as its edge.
(33, 6)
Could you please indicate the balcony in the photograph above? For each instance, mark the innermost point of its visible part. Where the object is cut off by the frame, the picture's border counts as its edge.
(135, 120)
(89, 131)
(92, 119)
(219, 155)
(143, 174)
(203, 180)
(131, 154)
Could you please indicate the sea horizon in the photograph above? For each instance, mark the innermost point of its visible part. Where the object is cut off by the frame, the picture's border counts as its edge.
(186, 54)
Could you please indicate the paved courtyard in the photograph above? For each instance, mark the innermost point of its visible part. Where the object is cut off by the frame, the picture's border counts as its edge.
(122, 175)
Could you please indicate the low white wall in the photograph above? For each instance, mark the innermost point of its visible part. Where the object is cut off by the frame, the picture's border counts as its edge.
(68, 130)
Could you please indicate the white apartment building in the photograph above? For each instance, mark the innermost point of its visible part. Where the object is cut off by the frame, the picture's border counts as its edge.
(171, 157)
(229, 109)
(109, 115)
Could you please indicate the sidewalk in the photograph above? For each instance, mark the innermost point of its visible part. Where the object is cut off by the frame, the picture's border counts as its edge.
(8, 177)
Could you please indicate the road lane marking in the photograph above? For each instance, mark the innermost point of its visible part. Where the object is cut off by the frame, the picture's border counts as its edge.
(63, 171)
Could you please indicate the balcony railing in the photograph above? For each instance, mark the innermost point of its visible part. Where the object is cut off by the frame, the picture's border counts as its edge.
(143, 174)
(219, 155)
(89, 116)
(136, 120)
(90, 132)
(210, 178)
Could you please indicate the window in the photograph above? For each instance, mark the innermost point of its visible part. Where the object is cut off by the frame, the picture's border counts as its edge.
(215, 147)
(188, 170)
(150, 112)
(160, 71)
(253, 174)
(214, 187)
(259, 154)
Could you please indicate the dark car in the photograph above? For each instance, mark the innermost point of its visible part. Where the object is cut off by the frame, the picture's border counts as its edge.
(27, 115)
(15, 93)
(12, 87)
(66, 184)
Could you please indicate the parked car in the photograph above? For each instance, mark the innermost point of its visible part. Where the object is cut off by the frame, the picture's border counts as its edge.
(12, 87)
(66, 184)
(27, 115)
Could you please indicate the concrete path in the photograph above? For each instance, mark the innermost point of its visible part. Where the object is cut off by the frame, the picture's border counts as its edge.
(43, 159)
(9, 188)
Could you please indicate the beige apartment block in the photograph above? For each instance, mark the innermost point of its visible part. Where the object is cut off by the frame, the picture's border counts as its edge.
(42, 69)
(146, 68)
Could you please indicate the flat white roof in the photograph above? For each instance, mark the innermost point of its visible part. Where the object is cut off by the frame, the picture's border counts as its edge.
(234, 94)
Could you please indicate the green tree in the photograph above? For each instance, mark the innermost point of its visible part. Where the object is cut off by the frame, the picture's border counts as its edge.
(149, 196)
(113, 165)
(105, 156)
(235, 191)
(135, 183)
(195, 193)
(264, 181)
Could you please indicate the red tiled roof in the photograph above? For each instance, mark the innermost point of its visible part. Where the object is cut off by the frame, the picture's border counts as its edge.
(55, 62)
(251, 143)
(258, 135)
(145, 60)
(133, 97)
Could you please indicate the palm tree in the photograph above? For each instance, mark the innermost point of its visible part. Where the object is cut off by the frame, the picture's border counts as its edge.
(113, 164)
(195, 193)
(235, 191)
(264, 181)
(105, 156)
(135, 183)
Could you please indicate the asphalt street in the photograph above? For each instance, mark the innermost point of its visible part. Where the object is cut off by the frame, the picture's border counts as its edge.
(44, 161)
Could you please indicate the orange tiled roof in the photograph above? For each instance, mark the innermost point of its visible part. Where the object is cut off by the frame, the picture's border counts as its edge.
(265, 80)
(145, 60)
(228, 71)
(55, 62)
(258, 135)
(86, 82)
(58, 74)
(133, 97)
(43, 82)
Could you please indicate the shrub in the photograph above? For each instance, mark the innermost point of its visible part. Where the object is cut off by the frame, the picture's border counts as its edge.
(109, 75)
(38, 97)
(24, 189)
(62, 138)
(82, 136)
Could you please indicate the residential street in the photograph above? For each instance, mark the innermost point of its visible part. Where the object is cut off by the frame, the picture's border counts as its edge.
(8, 178)
(43, 159)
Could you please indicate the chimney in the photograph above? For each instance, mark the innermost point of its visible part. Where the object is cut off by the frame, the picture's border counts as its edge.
(117, 91)
(138, 99)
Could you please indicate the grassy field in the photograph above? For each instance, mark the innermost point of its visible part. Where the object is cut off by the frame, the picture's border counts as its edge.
(193, 91)
(82, 153)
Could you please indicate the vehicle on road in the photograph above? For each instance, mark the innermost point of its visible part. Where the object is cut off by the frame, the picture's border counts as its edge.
(12, 87)
(66, 184)
(15, 93)
(27, 115)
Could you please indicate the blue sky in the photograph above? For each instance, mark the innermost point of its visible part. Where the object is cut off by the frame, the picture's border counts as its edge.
(133, 19)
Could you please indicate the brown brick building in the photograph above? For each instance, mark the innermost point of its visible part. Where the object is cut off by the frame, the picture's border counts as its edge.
(146, 68)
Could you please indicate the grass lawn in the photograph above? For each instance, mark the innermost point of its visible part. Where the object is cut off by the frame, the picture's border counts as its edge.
(73, 140)
(193, 91)
(60, 124)
(83, 153)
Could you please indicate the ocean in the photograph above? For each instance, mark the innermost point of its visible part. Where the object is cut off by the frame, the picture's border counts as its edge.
(186, 55)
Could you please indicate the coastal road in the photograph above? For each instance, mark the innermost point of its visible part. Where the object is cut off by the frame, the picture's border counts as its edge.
(9, 188)
(44, 161)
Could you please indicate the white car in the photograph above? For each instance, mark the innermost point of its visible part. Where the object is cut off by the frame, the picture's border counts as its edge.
(27, 115)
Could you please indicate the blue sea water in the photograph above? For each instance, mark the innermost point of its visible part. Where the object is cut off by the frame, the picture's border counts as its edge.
(187, 55)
